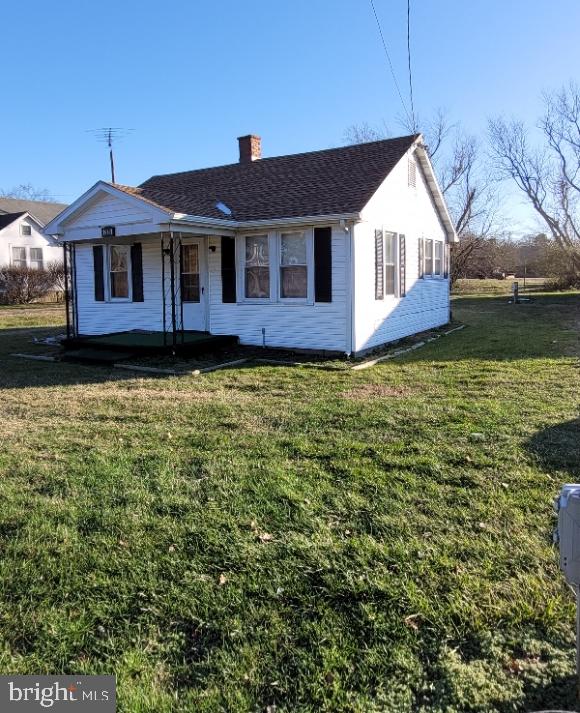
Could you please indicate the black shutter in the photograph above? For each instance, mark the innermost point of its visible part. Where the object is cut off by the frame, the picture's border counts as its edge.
(322, 264)
(98, 260)
(379, 266)
(446, 259)
(421, 257)
(228, 269)
(137, 272)
(402, 266)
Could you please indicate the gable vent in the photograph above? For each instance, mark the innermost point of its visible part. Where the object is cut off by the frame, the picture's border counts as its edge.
(412, 172)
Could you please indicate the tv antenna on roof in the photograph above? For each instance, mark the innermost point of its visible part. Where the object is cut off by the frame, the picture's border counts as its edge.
(109, 136)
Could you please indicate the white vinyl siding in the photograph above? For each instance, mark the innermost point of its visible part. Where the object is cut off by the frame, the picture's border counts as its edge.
(426, 301)
(290, 323)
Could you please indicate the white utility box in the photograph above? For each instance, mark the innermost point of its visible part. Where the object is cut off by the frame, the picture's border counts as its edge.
(567, 505)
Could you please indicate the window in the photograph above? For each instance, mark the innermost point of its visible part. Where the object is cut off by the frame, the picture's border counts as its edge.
(438, 258)
(428, 257)
(190, 273)
(36, 258)
(25, 229)
(257, 267)
(390, 262)
(412, 176)
(119, 271)
(19, 257)
(293, 266)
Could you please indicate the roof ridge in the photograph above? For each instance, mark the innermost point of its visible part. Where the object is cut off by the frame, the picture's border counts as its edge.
(410, 137)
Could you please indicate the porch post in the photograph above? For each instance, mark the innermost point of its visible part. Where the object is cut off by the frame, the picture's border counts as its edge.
(172, 278)
(66, 289)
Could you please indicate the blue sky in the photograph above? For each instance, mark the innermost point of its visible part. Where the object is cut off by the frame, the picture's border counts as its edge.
(189, 77)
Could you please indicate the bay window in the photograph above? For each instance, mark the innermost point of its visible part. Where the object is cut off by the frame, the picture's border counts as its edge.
(293, 266)
(257, 267)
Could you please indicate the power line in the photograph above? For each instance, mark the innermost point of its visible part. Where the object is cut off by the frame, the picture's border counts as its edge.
(409, 62)
(390, 63)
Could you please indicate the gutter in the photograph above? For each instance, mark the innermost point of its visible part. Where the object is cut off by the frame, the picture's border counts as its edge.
(183, 219)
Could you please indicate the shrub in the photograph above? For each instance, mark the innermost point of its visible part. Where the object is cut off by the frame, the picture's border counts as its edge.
(22, 285)
(559, 283)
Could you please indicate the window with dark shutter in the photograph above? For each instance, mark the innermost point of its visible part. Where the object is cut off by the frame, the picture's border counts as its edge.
(446, 260)
(98, 258)
(421, 250)
(379, 266)
(402, 265)
(228, 269)
(137, 272)
(322, 265)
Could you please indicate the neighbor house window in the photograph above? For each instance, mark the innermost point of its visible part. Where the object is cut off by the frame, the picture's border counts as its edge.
(19, 257)
(293, 265)
(36, 258)
(438, 258)
(390, 262)
(257, 267)
(190, 273)
(25, 229)
(119, 271)
(428, 257)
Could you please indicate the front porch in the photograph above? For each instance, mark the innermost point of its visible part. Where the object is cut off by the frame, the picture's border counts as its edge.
(184, 342)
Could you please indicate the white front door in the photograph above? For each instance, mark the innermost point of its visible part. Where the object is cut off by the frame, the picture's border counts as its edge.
(194, 284)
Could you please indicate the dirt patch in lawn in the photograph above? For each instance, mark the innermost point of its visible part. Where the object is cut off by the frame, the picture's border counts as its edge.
(376, 391)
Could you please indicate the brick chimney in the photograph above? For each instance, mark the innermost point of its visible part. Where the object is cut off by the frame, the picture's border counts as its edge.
(250, 148)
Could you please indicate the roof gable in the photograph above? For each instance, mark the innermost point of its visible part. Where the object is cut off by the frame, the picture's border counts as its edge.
(42, 211)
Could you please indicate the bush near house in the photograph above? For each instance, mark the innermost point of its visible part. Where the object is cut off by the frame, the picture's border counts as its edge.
(298, 540)
(23, 285)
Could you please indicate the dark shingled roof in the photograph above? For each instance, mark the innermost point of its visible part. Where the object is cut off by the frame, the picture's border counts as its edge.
(330, 182)
(7, 218)
(41, 210)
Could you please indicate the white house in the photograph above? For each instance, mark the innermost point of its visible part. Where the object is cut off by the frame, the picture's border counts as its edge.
(22, 240)
(338, 250)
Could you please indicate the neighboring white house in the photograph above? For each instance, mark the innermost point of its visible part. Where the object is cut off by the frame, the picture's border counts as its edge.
(338, 250)
(22, 240)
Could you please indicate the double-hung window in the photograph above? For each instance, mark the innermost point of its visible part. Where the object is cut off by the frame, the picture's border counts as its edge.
(432, 258)
(19, 257)
(429, 258)
(25, 230)
(36, 260)
(438, 265)
(257, 267)
(390, 263)
(119, 257)
(293, 266)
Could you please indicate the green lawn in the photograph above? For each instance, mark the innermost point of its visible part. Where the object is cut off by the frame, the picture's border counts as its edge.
(368, 541)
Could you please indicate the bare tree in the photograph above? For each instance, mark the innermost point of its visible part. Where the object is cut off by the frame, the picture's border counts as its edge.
(463, 178)
(26, 191)
(548, 174)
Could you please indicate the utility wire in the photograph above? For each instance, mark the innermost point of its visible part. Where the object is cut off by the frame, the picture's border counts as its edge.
(412, 121)
(409, 61)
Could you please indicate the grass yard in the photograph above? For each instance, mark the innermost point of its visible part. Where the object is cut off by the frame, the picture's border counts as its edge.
(296, 540)
(498, 287)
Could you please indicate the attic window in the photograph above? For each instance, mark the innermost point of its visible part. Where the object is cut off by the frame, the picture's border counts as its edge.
(25, 229)
(412, 172)
(223, 208)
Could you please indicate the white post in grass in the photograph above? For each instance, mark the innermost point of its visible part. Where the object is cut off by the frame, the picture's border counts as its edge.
(567, 535)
